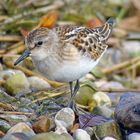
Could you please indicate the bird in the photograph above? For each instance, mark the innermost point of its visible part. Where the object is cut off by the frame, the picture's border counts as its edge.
(67, 53)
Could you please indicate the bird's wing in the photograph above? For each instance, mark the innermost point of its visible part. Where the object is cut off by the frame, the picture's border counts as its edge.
(85, 39)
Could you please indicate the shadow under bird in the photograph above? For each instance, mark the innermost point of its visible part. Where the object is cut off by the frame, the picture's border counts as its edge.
(67, 53)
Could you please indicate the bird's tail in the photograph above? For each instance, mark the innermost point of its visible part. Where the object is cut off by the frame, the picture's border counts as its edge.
(106, 30)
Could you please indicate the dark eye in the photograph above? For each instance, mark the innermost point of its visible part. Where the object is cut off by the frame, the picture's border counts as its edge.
(39, 43)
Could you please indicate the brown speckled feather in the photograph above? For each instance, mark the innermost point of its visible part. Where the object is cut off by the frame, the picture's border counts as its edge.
(85, 39)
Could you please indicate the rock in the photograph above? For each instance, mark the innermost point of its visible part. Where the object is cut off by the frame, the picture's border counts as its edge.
(114, 97)
(65, 117)
(17, 83)
(21, 127)
(109, 138)
(4, 97)
(16, 136)
(51, 136)
(120, 33)
(106, 129)
(37, 83)
(1, 134)
(112, 85)
(14, 119)
(127, 112)
(134, 136)
(4, 126)
(81, 134)
(101, 99)
(103, 111)
(127, 46)
(111, 57)
(5, 74)
(85, 94)
(60, 129)
(42, 125)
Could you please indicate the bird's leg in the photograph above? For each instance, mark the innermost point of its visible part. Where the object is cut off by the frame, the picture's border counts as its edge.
(73, 93)
(71, 88)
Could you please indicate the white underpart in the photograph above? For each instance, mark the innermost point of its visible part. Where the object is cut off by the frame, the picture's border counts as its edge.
(68, 71)
(71, 72)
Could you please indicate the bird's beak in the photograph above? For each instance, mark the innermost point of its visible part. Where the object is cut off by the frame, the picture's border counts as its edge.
(25, 54)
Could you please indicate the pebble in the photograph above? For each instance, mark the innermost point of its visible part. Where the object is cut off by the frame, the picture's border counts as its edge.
(41, 125)
(17, 83)
(51, 136)
(106, 129)
(84, 95)
(14, 119)
(65, 117)
(127, 112)
(103, 111)
(101, 98)
(37, 83)
(21, 127)
(4, 126)
(81, 134)
(108, 138)
(16, 136)
(134, 136)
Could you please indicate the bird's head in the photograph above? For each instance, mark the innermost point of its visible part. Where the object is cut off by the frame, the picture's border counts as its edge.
(38, 44)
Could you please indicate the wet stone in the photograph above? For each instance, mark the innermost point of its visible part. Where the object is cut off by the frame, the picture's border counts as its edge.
(17, 83)
(127, 112)
(103, 130)
(51, 136)
(4, 126)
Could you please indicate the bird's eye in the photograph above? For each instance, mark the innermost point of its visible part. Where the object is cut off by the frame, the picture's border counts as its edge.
(39, 43)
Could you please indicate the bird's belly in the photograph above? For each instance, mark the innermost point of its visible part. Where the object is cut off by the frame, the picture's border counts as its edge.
(66, 71)
(73, 71)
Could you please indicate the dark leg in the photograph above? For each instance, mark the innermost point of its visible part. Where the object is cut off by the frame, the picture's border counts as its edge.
(71, 88)
(76, 88)
(73, 93)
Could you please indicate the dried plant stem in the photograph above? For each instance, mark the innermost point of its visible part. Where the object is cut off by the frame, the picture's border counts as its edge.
(54, 6)
(118, 90)
(15, 113)
(49, 95)
(120, 66)
(6, 106)
(10, 38)
(16, 50)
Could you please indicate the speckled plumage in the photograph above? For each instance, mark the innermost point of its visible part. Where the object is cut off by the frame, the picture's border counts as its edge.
(67, 53)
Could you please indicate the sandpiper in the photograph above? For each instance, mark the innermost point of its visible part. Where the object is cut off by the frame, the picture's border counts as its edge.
(65, 54)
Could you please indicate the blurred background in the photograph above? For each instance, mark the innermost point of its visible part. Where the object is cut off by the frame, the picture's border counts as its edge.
(118, 71)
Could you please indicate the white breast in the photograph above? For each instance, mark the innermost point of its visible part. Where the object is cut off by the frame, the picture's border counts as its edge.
(67, 71)
(73, 71)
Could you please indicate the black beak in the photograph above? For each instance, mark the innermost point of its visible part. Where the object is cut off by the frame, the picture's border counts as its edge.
(25, 54)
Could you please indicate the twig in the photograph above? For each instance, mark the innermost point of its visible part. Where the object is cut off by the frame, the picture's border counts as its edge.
(17, 44)
(56, 5)
(7, 106)
(120, 66)
(135, 65)
(15, 113)
(17, 50)
(49, 95)
(118, 90)
(10, 38)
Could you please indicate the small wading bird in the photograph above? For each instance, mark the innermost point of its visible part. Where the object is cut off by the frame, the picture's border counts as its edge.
(65, 54)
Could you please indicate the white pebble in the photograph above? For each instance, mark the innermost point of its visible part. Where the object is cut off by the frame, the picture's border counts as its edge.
(81, 134)
(134, 136)
(109, 138)
(65, 117)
